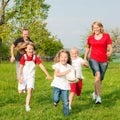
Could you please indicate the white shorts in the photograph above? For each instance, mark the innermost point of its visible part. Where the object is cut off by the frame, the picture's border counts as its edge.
(27, 83)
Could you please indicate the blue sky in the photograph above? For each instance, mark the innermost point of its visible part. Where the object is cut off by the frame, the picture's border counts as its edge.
(71, 19)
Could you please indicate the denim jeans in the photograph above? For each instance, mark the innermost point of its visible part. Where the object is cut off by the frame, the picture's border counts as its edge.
(98, 67)
(57, 92)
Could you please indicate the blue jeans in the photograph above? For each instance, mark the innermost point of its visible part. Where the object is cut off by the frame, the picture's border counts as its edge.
(98, 67)
(57, 92)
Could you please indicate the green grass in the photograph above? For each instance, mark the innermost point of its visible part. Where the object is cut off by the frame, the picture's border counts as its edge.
(84, 108)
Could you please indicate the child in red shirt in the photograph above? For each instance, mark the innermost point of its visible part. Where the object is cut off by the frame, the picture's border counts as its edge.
(26, 73)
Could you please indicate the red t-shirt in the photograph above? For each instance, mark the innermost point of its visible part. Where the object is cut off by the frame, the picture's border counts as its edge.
(29, 58)
(99, 47)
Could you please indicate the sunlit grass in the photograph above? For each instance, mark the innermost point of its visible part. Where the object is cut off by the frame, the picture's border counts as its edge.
(84, 108)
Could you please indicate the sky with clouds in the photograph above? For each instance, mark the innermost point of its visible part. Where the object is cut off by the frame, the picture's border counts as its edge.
(71, 19)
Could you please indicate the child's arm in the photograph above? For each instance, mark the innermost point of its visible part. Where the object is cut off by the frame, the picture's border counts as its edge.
(20, 73)
(85, 63)
(45, 71)
(58, 73)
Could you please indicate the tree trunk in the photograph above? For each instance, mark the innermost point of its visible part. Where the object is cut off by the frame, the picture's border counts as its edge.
(2, 15)
(0, 50)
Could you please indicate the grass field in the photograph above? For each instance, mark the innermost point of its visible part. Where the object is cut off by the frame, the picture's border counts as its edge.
(84, 108)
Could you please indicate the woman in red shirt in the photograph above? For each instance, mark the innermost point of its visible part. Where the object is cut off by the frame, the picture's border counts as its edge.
(99, 44)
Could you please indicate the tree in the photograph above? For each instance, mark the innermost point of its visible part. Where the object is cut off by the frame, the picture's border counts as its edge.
(2, 11)
(115, 35)
(29, 14)
(3, 5)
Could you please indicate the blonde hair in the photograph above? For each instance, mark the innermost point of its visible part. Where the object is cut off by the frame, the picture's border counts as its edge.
(57, 57)
(74, 48)
(98, 24)
(23, 45)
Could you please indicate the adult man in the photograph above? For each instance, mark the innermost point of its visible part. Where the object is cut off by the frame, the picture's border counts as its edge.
(24, 38)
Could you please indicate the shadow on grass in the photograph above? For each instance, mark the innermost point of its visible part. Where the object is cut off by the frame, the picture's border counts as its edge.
(85, 101)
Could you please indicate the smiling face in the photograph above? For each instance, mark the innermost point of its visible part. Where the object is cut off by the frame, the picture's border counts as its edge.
(97, 28)
(63, 58)
(74, 53)
(30, 50)
(25, 35)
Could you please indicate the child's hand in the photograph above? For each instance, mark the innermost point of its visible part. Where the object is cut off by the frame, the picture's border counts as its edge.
(48, 77)
(20, 81)
(85, 63)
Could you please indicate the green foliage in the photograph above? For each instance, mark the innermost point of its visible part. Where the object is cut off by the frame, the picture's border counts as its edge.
(84, 108)
(30, 14)
(5, 51)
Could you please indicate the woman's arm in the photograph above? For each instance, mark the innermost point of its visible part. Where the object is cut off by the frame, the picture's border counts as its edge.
(86, 52)
(109, 48)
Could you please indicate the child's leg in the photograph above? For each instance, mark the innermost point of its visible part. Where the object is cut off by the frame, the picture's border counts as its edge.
(20, 91)
(65, 102)
(21, 87)
(71, 96)
(28, 97)
(56, 95)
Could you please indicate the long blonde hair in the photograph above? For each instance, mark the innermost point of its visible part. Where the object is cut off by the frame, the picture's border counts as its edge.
(98, 24)
(23, 45)
(57, 57)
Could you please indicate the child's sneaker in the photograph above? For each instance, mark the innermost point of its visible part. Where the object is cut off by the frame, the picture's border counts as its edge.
(94, 96)
(70, 108)
(27, 108)
(98, 100)
(24, 91)
(55, 104)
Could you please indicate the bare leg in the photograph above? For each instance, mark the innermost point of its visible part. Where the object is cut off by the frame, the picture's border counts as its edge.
(20, 91)
(71, 96)
(28, 97)
(97, 83)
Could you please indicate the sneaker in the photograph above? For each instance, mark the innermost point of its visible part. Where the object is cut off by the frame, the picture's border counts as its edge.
(27, 108)
(70, 108)
(94, 96)
(24, 91)
(98, 100)
(55, 104)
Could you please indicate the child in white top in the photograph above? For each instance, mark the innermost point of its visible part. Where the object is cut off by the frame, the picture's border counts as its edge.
(77, 63)
(26, 73)
(60, 84)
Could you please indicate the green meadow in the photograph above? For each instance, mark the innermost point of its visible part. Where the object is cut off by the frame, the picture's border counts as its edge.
(12, 105)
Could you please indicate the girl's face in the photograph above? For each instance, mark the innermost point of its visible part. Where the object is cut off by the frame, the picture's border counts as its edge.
(63, 58)
(74, 54)
(30, 50)
(96, 29)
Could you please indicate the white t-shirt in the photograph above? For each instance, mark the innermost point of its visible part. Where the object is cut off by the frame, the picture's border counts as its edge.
(77, 64)
(61, 82)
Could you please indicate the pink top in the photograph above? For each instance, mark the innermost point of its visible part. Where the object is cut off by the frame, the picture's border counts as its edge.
(99, 47)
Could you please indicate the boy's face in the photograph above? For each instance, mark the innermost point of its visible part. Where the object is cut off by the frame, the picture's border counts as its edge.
(74, 54)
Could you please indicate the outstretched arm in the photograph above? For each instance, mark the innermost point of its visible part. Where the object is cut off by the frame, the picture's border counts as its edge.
(12, 59)
(45, 71)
